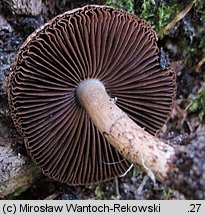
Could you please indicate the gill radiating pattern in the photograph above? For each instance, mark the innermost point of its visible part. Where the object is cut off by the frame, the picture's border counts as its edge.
(93, 42)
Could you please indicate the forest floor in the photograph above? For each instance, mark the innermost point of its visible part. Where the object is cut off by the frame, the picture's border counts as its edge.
(184, 44)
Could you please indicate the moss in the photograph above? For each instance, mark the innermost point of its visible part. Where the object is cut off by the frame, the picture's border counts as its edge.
(127, 5)
(138, 171)
(165, 193)
(159, 15)
(16, 193)
(198, 104)
(200, 4)
(98, 192)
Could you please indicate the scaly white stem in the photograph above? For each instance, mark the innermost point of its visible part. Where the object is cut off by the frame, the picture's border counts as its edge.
(133, 142)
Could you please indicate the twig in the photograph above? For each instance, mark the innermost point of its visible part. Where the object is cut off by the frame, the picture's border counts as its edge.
(180, 16)
(200, 63)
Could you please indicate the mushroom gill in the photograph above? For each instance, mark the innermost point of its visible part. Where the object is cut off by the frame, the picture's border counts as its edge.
(93, 42)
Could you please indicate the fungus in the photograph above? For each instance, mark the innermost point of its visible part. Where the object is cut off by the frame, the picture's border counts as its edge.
(82, 84)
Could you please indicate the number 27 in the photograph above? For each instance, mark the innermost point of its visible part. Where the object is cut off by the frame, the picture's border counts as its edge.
(195, 207)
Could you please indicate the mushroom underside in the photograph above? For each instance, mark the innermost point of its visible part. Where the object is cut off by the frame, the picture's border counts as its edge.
(94, 42)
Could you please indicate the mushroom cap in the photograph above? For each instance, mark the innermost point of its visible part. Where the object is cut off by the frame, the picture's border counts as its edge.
(93, 42)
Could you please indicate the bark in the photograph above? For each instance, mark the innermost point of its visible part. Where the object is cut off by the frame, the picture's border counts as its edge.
(17, 172)
(25, 7)
(188, 174)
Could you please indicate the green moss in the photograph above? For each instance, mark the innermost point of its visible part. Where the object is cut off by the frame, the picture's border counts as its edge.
(16, 193)
(198, 104)
(200, 4)
(158, 15)
(98, 192)
(138, 171)
(127, 5)
(165, 193)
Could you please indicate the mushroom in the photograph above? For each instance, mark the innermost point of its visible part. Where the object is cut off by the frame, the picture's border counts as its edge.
(87, 91)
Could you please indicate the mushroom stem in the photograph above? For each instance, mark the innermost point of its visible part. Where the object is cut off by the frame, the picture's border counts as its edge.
(133, 142)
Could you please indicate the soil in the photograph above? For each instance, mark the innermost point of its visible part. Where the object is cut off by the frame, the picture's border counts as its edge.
(181, 128)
